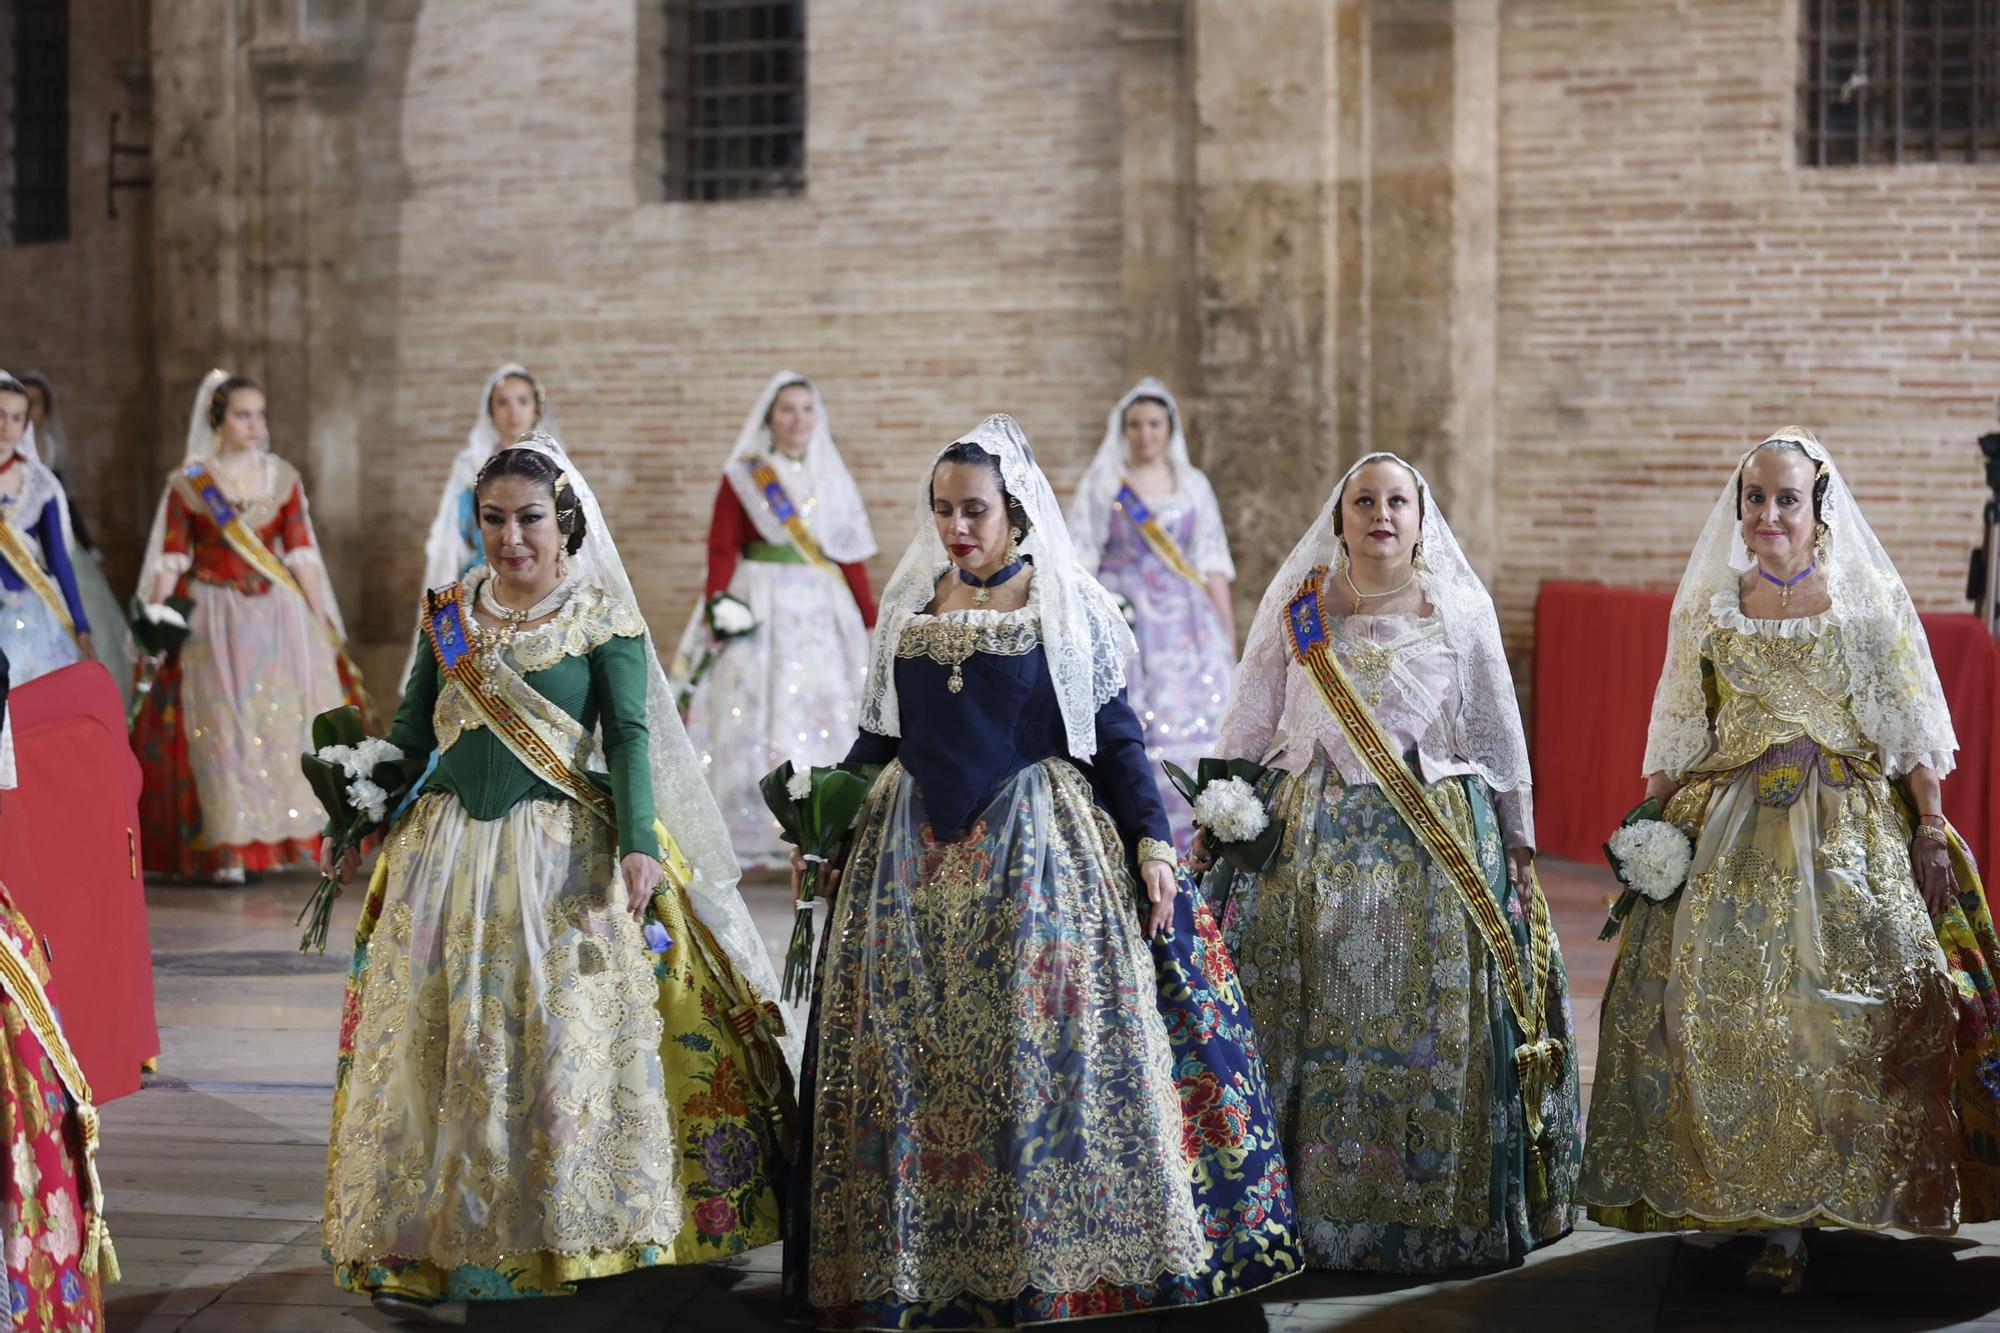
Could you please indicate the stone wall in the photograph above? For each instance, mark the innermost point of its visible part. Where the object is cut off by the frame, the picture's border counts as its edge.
(1673, 288)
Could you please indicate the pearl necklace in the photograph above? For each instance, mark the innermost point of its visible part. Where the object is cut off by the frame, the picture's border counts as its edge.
(1360, 596)
(512, 620)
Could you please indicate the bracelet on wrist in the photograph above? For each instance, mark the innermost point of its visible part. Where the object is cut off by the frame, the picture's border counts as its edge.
(1936, 821)
(1932, 833)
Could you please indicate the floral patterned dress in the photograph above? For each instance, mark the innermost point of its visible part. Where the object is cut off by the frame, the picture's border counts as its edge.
(525, 1096)
(43, 1225)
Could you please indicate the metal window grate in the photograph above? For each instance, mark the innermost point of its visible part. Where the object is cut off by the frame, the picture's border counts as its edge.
(1890, 81)
(735, 98)
(39, 112)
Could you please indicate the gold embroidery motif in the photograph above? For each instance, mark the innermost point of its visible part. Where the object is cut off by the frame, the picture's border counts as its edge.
(950, 642)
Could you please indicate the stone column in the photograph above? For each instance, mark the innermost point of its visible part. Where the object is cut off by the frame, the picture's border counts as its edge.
(1156, 167)
(1432, 256)
(1267, 270)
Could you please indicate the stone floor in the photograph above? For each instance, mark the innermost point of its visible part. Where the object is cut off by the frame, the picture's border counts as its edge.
(215, 1172)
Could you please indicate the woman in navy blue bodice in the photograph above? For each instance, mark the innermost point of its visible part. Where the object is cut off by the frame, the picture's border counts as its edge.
(1031, 1089)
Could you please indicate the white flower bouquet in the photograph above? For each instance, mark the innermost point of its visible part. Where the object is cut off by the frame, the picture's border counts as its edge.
(358, 779)
(157, 627)
(1650, 857)
(1227, 805)
(727, 618)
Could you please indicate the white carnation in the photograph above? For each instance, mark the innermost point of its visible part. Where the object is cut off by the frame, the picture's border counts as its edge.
(1653, 857)
(800, 788)
(369, 799)
(162, 614)
(730, 617)
(1229, 809)
(343, 755)
(371, 752)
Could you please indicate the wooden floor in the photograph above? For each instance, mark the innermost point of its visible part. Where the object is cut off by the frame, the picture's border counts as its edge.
(215, 1173)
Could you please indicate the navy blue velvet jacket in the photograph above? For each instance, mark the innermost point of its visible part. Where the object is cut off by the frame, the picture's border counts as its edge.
(959, 748)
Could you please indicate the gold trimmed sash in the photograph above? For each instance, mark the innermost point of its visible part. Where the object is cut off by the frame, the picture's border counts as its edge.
(243, 540)
(14, 548)
(1537, 1057)
(1156, 536)
(25, 989)
(536, 731)
(765, 478)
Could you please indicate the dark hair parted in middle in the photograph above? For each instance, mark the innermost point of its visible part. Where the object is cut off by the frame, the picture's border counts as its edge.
(218, 402)
(544, 472)
(965, 451)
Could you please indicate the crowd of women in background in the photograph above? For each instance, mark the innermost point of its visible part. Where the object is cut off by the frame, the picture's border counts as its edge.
(1324, 1012)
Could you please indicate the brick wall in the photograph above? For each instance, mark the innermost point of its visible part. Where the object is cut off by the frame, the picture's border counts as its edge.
(1673, 288)
(72, 307)
(957, 251)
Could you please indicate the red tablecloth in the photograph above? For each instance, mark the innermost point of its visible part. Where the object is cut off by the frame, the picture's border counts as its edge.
(1598, 652)
(69, 855)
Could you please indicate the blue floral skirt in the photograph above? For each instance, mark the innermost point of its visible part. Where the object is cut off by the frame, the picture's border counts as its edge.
(1015, 1108)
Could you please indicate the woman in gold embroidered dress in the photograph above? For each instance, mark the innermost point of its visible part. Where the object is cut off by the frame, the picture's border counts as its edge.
(526, 1096)
(1784, 1041)
(1428, 1125)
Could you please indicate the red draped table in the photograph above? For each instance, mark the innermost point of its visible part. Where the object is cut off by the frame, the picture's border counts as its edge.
(1598, 652)
(69, 853)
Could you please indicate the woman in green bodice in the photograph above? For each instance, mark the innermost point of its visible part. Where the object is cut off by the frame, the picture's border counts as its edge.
(559, 1059)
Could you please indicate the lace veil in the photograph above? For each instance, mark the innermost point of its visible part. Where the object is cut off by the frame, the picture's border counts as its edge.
(1488, 727)
(828, 501)
(1090, 510)
(1895, 694)
(202, 439)
(1084, 636)
(680, 791)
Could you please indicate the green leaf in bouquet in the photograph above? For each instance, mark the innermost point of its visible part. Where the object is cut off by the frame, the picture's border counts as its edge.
(1207, 770)
(1188, 787)
(837, 794)
(329, 784)
(338, 726)
(1255, 855)
(1249, 770)
(772, 786)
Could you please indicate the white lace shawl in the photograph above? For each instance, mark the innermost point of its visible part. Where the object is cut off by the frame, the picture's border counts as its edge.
(1084, 636)
(1896, 697)
(827, 501)
(1090, 511)
(1487, 730)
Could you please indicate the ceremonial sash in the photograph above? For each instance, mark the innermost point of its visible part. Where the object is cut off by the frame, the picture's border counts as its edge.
(14, 548)
(537, 732)
(25, 988)
(766, 479)
(1157, 537)
(243, 540)
(1537, 1057)
(544, 737)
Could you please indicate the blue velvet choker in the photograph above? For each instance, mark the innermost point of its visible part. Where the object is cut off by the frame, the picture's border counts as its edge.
(982, 596)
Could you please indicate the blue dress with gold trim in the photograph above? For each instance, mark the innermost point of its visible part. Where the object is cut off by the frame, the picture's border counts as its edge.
(1015, 1108)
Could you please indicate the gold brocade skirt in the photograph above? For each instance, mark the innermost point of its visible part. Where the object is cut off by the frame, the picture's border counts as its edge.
(1778, 1042)
(526, 1096)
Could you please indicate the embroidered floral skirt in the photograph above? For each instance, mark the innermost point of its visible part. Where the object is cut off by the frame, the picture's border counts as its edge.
(220, 733)
(1388, 1040)
(526, 1097)
(1015, 1110)
(1784, 1041)
(34, 640)
(43, 1223)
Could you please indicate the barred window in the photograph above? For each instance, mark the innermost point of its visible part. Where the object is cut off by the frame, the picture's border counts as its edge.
(735, 91)
(34, 50)
(1889, 81)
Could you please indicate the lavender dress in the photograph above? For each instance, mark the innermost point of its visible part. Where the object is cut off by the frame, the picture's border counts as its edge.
(1180, 682)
